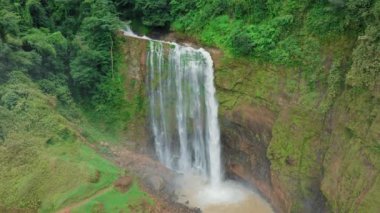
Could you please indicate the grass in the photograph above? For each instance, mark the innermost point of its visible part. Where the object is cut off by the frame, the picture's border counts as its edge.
(94, 133)
(101, 174)
(115, 201)
(44, 164)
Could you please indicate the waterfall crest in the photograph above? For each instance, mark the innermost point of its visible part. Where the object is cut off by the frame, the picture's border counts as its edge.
(184, 110)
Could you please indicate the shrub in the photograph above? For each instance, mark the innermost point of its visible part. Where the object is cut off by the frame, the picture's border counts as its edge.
(154, 12)
(57, 85)
(252, 10)
(216, 31)
(242, 42)
(322, 20)
(365, 70)
(10, 99)
(85, 68)
(9, 23)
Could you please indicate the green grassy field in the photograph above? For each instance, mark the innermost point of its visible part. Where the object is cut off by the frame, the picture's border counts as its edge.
(115, 201)
(45, 165)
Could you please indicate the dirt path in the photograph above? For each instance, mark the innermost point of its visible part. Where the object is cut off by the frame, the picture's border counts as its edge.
(68, 209)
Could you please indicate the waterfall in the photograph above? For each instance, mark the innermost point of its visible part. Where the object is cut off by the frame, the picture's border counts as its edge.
(184, 122)
(183, 109)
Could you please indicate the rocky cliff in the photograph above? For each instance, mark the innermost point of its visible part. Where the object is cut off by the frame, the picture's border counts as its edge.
(278, 136)
(302, 149)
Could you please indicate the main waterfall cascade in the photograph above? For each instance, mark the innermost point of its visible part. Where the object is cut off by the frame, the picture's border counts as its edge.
(184, 121)
(184, 110)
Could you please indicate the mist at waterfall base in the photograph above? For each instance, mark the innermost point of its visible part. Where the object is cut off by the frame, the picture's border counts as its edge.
(229, 196)
(183, 115)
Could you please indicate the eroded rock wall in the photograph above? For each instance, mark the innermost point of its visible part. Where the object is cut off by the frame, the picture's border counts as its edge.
(133, 70)
(279, 136)
(246, 133)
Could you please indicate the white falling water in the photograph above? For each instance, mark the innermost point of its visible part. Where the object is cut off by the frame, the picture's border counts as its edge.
(183, 112)
(184, 109)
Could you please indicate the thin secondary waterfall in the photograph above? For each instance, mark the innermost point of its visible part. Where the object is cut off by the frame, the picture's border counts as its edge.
(183, 109)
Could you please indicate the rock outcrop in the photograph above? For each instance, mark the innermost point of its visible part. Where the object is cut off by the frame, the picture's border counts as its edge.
(246, 133)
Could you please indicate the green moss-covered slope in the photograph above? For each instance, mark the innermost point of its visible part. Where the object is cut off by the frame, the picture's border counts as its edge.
(321, 140)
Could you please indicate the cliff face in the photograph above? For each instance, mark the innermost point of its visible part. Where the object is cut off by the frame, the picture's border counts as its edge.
(246, 133)
(303, 151)
(133, 70)
(278, 136)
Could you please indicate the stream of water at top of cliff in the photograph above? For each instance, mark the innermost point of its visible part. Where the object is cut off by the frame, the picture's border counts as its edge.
(184, 121)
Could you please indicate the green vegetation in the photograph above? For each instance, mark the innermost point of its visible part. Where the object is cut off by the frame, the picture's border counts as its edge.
(45, 164)
(115, 201)
(63, 84)
(278, 33)
(60, 91)
(315, 64)
(42, 38)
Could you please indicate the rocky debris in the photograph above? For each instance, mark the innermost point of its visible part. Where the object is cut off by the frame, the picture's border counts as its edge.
(154, 178)
(151, 173)
(123, 183)
(142, 206)
(156, 183)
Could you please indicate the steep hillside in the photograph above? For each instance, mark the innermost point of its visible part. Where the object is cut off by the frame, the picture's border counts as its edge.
(316, 157)
(61, 94)
(46, 163)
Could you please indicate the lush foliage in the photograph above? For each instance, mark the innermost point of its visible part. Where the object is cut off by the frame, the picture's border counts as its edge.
(151, 13)
(42, 38)
(273, 31)
(317, 59)
(366, 60)
(43, 164)
(59, 63)
(315, 64)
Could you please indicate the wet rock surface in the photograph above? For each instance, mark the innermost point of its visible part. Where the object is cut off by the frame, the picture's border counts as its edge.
(246, 133)
(276, 137)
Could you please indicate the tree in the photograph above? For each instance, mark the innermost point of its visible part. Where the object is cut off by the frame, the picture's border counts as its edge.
(154, 12)
(8, 23)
